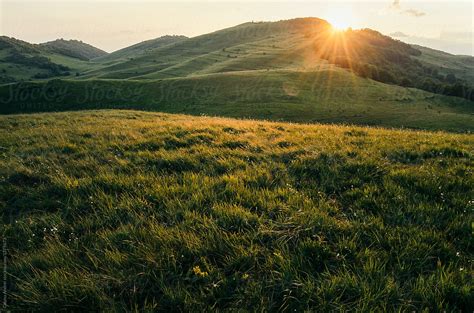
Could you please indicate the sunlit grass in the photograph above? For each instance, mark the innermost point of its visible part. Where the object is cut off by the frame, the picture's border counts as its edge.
(124, 210)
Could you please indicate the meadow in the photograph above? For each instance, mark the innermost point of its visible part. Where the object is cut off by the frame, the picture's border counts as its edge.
(326, 94)
(123, 210)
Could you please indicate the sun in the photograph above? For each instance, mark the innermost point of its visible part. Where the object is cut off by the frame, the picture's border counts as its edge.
(339, 24)
(341, 18)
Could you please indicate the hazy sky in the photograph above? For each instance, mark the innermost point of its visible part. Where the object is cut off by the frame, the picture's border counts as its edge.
(111, 25)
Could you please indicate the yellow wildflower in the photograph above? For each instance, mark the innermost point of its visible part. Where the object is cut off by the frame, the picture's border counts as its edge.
(198, 272)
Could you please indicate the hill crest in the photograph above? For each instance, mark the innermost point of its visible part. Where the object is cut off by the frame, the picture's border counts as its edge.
(73, 48)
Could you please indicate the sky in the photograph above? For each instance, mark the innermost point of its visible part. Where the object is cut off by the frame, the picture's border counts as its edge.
(111, 24)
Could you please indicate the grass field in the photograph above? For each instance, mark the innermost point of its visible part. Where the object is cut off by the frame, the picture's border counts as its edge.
(306, 96)
(124, 210)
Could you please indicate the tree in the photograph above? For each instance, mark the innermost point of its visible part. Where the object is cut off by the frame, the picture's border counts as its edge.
(429, 85)
(450, 78)
(406, 82)
(386, 76)
(456, 90)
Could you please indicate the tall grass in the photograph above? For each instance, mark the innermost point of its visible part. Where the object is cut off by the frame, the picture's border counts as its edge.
(124, 210)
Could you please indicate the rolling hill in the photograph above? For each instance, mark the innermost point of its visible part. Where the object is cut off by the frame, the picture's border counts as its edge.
(73, 48)
(140, 49)
(298, 70)
(22, 61)
(136, 211)
(300, 44)
(461, 66)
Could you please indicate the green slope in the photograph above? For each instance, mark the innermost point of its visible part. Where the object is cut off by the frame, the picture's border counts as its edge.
(330, 95)
(135, 211)
(22, 61)
(73, 48)
(139, 49)
(460, 66)
(194, 54)
(301, 43)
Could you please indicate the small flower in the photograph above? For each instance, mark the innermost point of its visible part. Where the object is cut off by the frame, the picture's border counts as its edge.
(198, 272)
(245, 276)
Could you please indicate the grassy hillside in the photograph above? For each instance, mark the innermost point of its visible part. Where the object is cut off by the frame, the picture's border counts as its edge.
(73, 48)
(125, 210)
(189, 56)
(297, 44)
(461, 66)
(22, 61)
(327, 94)
(140, 49)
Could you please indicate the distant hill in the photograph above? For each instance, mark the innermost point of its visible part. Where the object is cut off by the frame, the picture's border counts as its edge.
(461, 66)
(23, 61)
(18, 45)
(298, 44)
(73, 48)
(20, 60)
(141, 48)
(249, 46)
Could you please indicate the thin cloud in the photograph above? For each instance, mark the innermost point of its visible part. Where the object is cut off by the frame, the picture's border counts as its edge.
(411, 12)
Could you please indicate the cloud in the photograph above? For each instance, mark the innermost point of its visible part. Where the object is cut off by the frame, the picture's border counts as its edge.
(398, 35)
(411, 12)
